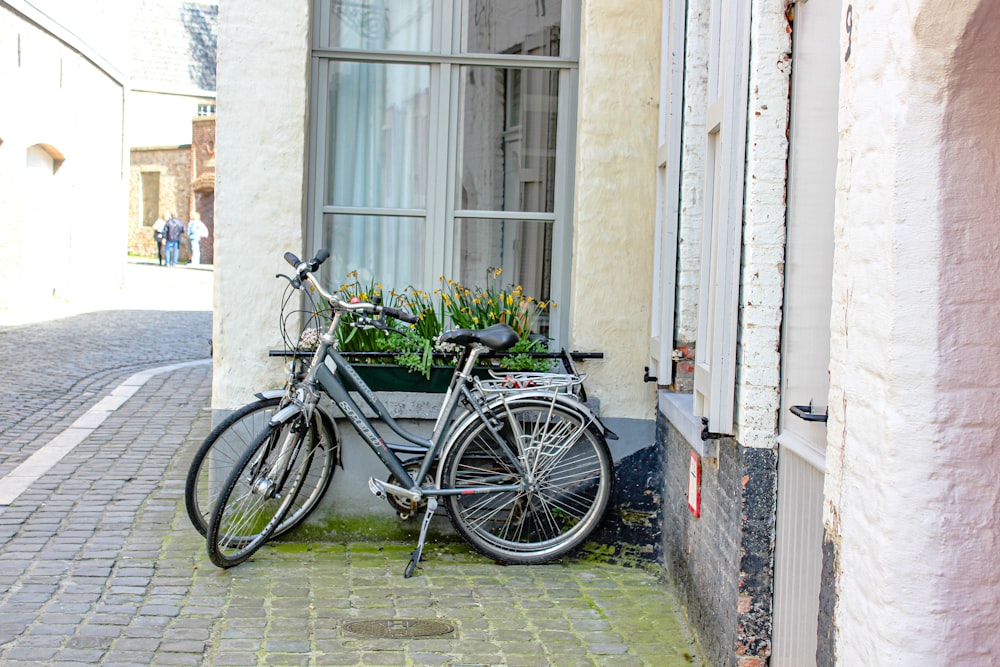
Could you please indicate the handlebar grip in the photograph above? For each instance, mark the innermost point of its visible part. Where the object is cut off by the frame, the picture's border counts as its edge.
(402, 315)
(292, 259)
(321, 256)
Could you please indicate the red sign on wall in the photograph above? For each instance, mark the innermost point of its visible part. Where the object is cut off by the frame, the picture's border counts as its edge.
(694, 485)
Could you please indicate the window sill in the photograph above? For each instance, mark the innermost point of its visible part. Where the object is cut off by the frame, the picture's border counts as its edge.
(679, 411)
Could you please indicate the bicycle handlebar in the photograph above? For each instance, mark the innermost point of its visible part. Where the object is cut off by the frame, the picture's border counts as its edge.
(305, 271)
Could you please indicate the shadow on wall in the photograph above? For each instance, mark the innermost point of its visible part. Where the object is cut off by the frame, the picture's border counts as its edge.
(201, 23)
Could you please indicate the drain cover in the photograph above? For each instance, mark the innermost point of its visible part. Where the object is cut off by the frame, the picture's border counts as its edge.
(398, 627)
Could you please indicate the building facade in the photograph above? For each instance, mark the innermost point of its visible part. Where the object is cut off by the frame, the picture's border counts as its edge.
(63, 193)
(773, 218)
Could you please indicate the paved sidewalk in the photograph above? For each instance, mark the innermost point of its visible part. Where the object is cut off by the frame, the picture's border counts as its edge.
(99, 565)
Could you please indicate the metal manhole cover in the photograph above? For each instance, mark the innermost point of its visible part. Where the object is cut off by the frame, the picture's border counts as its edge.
(398, 627)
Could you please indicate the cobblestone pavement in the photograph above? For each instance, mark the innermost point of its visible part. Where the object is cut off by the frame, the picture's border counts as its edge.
(98, 564)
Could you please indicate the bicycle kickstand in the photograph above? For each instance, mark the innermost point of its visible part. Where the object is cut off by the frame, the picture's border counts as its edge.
(415, 556)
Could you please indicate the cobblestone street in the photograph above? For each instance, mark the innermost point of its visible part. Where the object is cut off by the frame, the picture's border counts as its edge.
(99, 565)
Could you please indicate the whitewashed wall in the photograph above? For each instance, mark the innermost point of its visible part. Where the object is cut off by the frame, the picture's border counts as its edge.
(73, 221)
(159, 119)
(613, 230)
(263, 86)
(912, 495)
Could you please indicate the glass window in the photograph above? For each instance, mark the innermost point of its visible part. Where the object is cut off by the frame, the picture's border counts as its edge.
(508, 128)
(378, 124)
(444, 163)
(383, 248)
(521, 248)
(390, 25)
(150, 197)
(527, 27)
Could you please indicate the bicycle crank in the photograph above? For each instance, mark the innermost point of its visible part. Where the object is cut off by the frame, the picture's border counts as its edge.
(406, 507)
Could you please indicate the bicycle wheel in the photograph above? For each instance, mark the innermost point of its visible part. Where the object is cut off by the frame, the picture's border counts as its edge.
(259, 492)
(565, 478)
(222, 449)
(217, 455)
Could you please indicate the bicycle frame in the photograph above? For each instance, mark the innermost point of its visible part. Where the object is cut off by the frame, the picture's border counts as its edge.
(319, 374)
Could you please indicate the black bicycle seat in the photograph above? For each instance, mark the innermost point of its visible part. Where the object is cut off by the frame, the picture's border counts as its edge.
(498, 337)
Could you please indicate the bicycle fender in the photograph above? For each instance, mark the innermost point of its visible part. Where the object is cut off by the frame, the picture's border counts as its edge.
(564, 400)
(270, 393)
(284, 414)
(570, 402)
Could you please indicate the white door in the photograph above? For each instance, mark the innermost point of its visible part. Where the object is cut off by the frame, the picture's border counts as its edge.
(806, 330)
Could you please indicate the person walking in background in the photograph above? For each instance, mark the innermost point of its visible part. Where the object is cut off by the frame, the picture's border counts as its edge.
(158, 237)
(196, 231)
(173, 230)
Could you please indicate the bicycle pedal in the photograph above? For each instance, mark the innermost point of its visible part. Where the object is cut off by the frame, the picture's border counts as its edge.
(375, 487)
(382, 489)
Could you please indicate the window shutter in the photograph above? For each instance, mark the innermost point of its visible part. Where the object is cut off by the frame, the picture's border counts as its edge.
(715, 356)
(668, 169)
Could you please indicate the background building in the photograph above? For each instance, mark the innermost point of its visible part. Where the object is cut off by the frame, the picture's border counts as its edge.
(63, 156)
(72, 113)
(171, 117)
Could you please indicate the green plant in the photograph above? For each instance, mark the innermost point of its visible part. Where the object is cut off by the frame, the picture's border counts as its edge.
(453, 305)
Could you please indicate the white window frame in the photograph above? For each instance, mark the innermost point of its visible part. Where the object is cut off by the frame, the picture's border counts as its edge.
(718, 308)
(668, 176)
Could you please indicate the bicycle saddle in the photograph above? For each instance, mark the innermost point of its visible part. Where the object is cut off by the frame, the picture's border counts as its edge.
(498, 337)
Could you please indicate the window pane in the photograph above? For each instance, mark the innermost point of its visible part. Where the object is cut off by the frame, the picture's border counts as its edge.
(529, 27)
(521, 248)
(377, 129)
(508, 131)
(382, 248)
(393, 25)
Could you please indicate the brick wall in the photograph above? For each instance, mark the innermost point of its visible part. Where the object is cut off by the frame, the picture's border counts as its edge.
(721, 560)
(203, 180)
(173, 165)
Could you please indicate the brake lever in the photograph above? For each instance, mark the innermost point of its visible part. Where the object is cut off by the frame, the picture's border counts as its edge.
(294, 282)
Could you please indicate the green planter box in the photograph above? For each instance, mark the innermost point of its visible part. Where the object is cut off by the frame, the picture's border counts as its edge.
(390, 377)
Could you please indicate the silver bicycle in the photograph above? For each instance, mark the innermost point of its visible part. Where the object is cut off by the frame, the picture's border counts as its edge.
(519, 462)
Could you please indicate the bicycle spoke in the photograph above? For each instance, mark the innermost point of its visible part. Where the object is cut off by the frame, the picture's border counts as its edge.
(566, 485)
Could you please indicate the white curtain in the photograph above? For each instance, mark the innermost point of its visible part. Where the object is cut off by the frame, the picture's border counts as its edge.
(377, 154)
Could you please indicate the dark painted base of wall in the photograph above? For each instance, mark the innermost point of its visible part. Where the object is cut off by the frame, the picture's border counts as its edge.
(827, 603)
(722, 560)
(630, 532)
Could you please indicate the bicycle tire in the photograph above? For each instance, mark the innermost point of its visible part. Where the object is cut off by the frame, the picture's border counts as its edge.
(569, 480)
(259, 492)
(222, 449)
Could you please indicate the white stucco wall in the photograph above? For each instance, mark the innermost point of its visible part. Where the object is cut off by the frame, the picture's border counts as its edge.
(261, 149)
(159, 119)
(615, 195)
(73, 221)
(912, 463)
